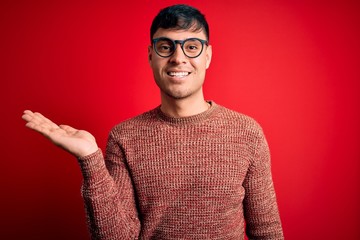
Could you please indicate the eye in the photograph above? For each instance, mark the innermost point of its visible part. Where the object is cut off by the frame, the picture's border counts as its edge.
(192, 46)
(164, 46)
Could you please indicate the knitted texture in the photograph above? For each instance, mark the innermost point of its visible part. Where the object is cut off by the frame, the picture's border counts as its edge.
(196, 177)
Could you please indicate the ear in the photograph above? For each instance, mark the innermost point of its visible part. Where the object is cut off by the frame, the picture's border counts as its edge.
(150, 52)
(208, 56)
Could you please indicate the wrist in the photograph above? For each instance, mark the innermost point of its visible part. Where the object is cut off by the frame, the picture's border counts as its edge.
(91, 150)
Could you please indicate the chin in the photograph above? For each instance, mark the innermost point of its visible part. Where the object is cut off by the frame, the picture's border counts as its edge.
(177, 95)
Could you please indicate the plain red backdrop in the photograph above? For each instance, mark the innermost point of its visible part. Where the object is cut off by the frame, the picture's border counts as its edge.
(292, 65)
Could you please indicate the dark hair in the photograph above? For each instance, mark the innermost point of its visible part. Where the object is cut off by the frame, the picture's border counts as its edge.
(180, 17)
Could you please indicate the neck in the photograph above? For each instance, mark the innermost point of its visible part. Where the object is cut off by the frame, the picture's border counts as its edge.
(183, 107)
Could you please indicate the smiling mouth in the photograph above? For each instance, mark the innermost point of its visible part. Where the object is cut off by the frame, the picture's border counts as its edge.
(178, 74)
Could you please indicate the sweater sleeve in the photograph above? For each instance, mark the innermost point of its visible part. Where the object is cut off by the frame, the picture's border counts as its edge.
(108, 195)
(260, 206)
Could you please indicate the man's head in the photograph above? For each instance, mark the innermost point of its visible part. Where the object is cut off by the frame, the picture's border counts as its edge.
(180, 17)
(180, 53)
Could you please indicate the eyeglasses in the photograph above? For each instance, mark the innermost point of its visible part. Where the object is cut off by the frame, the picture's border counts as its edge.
(192, 47)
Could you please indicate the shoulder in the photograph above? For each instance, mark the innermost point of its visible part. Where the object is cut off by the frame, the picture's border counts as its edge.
(239, 120)
(246, 128)
(135, 124)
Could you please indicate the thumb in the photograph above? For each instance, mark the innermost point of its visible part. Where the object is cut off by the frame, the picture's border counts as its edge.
(68, 129)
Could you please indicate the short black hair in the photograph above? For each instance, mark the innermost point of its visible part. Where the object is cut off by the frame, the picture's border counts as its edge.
(180, 16)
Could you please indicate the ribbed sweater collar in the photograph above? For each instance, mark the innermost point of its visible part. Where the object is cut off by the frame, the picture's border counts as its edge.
(198, 118)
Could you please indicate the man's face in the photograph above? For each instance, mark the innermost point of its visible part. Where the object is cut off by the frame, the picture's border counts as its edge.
(179, 76)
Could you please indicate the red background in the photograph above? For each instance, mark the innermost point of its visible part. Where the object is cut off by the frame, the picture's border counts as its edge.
(292, 65)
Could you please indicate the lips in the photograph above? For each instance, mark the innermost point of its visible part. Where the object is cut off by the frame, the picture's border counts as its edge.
(178, 74)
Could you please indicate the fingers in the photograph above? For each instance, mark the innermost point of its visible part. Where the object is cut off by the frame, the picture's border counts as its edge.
(27, 115)
(38, 122)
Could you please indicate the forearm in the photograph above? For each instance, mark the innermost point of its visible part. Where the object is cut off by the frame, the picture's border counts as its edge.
(109, 215)
(262, 214)
(260, 205)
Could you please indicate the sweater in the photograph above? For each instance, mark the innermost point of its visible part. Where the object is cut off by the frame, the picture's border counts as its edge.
(197, 177)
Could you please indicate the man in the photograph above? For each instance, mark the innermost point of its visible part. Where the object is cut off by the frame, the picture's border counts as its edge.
(188, 169)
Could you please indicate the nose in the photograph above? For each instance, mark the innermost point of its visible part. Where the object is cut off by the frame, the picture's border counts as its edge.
(178, 56)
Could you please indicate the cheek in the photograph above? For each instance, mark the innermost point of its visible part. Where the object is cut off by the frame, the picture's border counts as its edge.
(201, 65)
(154, 67)
(157, 69)
(157, 64)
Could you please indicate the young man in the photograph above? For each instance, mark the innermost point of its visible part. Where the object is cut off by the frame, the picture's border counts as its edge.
(188, 169)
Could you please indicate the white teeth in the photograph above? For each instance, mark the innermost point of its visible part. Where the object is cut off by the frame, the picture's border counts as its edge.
(178, 74)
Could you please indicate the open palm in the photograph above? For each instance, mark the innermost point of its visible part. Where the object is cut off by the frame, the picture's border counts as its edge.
(77, 142)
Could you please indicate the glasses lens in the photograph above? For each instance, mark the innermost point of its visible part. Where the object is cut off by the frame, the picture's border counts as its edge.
(192, 47)
(164, 47)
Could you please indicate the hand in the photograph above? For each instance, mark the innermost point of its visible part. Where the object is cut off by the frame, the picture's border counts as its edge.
(77, 142)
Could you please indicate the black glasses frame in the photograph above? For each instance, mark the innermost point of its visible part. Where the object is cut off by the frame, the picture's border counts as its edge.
(181, 42)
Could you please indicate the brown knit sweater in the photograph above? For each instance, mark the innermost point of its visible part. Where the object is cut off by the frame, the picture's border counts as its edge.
(196, 177)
